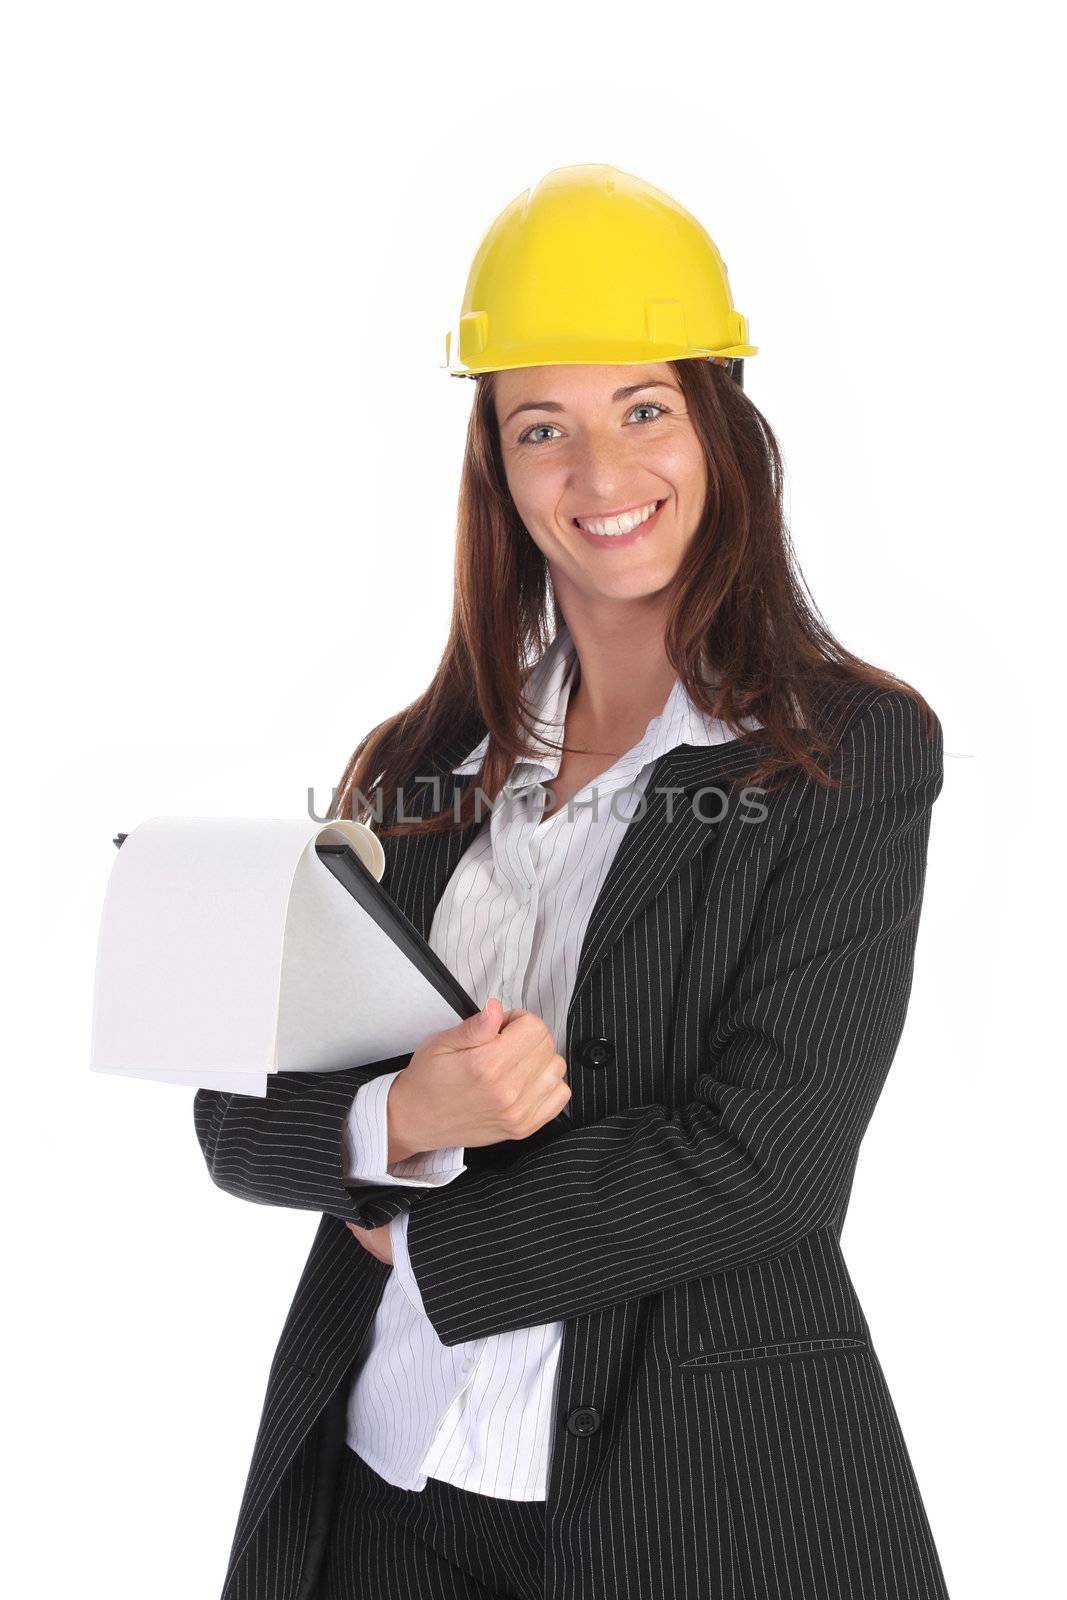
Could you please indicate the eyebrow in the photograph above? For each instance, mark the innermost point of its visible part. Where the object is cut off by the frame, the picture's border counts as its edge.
(620, 394)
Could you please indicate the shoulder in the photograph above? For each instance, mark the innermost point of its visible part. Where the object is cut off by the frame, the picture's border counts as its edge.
(897, 733)
(889, 723)
(887, 747)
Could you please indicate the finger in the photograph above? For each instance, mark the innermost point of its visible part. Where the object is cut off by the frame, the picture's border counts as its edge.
(544, 1099)
(525, 1030)
(553, 1104)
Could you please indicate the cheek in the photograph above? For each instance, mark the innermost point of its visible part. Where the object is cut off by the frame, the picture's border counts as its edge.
(689, 482)
(537, 492)
(682, 464)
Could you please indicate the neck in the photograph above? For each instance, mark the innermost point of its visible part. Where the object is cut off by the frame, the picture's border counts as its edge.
(624, 675)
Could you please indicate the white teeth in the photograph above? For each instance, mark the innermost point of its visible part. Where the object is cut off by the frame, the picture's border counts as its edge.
(613, 526)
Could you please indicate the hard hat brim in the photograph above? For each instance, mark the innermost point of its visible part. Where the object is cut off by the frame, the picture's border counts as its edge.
(553, 355)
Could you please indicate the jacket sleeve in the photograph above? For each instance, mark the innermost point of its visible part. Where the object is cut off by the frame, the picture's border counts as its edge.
(800, 1048)
(290, 1147)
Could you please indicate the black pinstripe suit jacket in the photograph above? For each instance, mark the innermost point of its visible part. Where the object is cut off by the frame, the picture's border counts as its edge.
(723, 1428)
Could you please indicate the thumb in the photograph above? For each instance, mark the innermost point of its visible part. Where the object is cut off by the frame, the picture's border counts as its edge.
(485, 1024)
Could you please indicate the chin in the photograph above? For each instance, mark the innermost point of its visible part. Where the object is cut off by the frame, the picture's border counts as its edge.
(634, 586)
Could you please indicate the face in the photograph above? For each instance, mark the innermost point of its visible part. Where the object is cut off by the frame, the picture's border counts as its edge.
(583, 445)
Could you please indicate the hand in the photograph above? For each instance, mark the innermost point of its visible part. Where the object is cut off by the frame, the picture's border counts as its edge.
(494, 1076)
(377, 1240)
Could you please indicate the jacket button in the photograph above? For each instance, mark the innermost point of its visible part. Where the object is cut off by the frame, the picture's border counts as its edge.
(584, 1420)
(596, 1052)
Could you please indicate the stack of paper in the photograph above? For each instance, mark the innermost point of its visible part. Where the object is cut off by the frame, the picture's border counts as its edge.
(228, 950)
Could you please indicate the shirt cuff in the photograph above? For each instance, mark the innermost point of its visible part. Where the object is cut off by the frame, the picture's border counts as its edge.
(366, 1141)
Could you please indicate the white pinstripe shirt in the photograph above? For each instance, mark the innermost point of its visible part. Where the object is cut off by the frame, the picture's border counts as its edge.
(510, 923)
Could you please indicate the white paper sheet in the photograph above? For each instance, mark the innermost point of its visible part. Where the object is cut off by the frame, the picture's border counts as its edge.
(228, 951)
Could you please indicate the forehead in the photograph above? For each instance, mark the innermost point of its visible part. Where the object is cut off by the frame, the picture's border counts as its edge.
(574, 384)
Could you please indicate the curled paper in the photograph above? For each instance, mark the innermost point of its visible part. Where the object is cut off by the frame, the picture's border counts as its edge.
(228, 950)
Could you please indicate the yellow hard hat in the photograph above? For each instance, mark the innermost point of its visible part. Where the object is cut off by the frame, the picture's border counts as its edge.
(594, 265)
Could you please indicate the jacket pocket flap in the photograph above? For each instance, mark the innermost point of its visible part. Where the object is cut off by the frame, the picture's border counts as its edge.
(815, 1344)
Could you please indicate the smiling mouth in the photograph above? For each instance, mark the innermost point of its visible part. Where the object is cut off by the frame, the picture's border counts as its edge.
(615, 527)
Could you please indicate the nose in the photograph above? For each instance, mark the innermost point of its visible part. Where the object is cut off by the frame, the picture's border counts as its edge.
(604, 479)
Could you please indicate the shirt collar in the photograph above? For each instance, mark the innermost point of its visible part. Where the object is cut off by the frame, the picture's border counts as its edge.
(547, 687)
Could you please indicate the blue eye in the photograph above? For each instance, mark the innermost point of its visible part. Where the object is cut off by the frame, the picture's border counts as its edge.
(640, 405)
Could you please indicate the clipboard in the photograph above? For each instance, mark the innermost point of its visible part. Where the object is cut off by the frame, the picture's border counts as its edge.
(345, 866)
(365, 889)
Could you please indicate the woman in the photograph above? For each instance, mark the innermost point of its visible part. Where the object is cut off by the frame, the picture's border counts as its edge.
(595, 1333)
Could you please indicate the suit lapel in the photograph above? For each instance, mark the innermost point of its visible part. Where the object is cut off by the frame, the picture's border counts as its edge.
(676, 823)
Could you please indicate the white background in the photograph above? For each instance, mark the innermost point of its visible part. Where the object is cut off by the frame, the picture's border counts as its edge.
(235, 236)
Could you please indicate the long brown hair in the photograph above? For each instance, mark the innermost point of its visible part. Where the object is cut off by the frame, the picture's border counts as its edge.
(738, 601)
